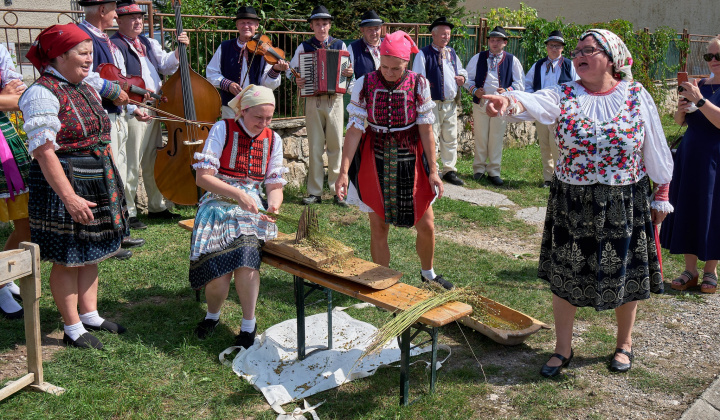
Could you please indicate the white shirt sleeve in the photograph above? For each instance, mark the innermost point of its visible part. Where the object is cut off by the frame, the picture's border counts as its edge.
(656, 153)
(276, 170)
(168, 63)
(209, 158)
(518, 75)
(267, 80)
(542, 106)
(471, 69)
(212, 71)
(424, 109)
(529, 79)
(7, 67)
(357, 109)
(419, 64)
(295, 62)
(40, 110)
(461, 70)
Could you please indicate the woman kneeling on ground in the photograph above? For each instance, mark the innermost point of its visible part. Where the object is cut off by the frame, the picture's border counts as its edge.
(239, 156)
(77, 206)
(599, 247)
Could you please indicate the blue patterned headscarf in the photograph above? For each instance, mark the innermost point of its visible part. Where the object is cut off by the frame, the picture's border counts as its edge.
(615, 49)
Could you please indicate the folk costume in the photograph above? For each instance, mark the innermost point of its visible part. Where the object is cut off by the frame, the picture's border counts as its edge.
(323, 117)
(599, 247)
(545, 73)
(233, 63)
(389, 172)
(363, 56)
(143, 57)
(439, 67)
(490, 72)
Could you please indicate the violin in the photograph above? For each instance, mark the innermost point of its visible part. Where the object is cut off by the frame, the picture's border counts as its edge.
(133, 85)
(261, 45)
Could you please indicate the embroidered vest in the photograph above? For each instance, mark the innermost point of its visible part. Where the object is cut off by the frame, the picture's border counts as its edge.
(391, 107)
(434, 71)
(84, 122)
(565, 73)
(608, 152)
(133, 65)
(313, 44)
(231, 67)
(505, 76)
(364, 62)
(102, 54)
(243, 156)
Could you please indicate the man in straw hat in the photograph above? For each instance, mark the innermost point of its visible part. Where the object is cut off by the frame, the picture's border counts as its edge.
(365, 52)
(546, 72)
(442, 67)
(233, 67)
(143, 57)
(493, 71)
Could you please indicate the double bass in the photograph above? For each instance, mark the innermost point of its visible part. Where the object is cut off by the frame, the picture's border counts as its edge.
(192, 97)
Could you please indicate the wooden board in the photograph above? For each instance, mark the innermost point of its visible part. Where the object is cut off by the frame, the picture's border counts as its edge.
(14, 264)
(491, 323)
(286, 247)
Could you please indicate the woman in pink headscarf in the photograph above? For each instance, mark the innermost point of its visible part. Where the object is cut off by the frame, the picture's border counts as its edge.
(389, 168)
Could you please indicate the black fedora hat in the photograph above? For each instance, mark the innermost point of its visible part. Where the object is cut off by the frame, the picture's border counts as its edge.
(246, 12)
(370, 18)
(320, 12)
(498, 32)
(556, 36)
(441, 21)
(94, 2)
(128, 7)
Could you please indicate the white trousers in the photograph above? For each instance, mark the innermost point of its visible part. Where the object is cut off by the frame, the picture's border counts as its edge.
(489, 134)
(118, 142)
(324, 124)
(548, 148)
(445, 131)
(143, 140)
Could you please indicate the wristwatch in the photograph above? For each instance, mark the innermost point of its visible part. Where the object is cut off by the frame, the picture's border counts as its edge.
(700, 103)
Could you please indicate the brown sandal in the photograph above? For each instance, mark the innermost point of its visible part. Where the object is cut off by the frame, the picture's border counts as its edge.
(683, 283)
(709, 283)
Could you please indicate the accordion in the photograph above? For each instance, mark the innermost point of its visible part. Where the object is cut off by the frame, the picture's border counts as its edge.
(322, 71)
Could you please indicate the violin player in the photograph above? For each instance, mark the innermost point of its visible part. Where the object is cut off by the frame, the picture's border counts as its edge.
(232, 67)
(99, 16)
(143, 57)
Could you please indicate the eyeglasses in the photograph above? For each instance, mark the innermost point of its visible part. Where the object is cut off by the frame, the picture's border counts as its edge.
(555, 47)
(708, 57)
(585, 52)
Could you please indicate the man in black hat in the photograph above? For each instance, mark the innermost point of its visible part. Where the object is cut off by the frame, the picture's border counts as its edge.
(549, 71)
(365, 52)
(489, 72)
(443, 69)
(143, 57)
(233, 68)
(323, 114)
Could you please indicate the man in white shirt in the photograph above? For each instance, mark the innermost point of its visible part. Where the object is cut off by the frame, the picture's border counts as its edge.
(365, 52)
(443, 69)
(233, 67)
(489, 72)
(143, 57)
(549, 71)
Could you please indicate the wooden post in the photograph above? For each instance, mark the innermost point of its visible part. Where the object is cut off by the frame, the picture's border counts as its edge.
(684, 54)
(30, 292)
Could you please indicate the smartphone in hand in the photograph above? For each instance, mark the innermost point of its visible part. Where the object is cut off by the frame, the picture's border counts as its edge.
(682, 77)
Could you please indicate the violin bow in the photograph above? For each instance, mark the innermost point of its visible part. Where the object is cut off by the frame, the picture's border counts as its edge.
(170, 117)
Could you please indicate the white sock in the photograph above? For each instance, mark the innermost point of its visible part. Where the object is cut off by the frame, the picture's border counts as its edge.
(428, 274)
(14, 289)
(75, 331)
(92, 319)
(248, 325)
(213, 316)
(7, 303)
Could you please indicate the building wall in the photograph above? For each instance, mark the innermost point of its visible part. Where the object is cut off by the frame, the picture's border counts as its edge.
(698, 16)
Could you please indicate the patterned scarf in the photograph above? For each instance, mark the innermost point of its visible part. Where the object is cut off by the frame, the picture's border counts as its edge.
(550, 65)
(139, 47)
(374, 50)
(100, 34)
(616, 49)
(495, 60)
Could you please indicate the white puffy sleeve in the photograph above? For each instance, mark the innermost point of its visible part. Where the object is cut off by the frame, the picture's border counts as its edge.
(424, 103)
(40, 110)
(656, 153)
(357, 108)
(276, 169)
(542, 106)
(209, 158)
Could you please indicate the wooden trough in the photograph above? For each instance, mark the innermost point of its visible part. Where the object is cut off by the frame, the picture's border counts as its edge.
(502, 324)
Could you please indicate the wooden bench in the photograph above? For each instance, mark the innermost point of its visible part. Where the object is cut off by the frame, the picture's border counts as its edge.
(24, 264)
(395, 298)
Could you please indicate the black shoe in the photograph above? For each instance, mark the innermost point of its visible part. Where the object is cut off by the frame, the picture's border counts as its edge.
(311, 199)
(245, 339)
(452, 178)
(122, 254)
(108, 326)
(496, 181)
(85, 341)
(439, 280)
(165, 214)
(136, 224)
(478, 176)
(552, 371)
(339, 202)
(132, 242)
(205, 328)
(13, 315)
(616, 366)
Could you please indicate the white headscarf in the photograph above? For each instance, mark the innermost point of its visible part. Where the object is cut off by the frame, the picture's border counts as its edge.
(251, 96)
(616, 49)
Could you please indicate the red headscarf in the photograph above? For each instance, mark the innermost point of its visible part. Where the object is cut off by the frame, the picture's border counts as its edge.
(53, 42)
(398, 44)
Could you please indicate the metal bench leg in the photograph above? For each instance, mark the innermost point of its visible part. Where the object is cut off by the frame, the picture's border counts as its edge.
(405, 367)
(433, 359)
(300, 312)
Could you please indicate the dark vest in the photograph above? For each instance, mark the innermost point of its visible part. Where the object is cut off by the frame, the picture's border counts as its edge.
(102, 54)
(243, 156)
(565, 72)
(434, 71)
(313, 44)
(231, 67)
(133, 66)
(364, 62)
(504, 71)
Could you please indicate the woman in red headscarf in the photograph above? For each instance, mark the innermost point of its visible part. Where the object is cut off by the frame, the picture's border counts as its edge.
(389, 168)
(76, 208)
